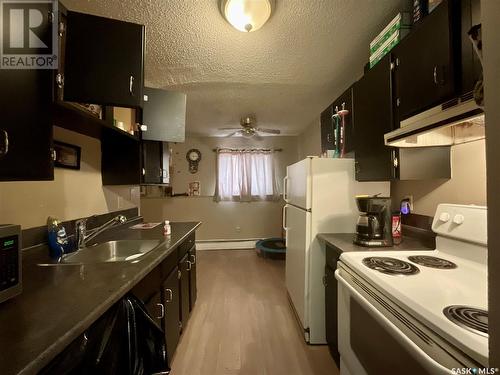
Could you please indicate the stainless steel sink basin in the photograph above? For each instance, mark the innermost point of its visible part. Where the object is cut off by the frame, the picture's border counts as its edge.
(112, 251)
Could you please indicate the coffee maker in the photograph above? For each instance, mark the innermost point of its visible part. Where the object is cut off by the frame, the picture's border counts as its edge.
(374, 227)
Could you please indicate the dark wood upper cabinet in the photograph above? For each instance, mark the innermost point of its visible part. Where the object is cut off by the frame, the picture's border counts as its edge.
(344, 106)
(121, 159)
(426, 72)
(164, 114)
(471, 66)
(335, 134)
(104, 61)
(374, 118)
(26, 127)
(152, 162)
(327, 136)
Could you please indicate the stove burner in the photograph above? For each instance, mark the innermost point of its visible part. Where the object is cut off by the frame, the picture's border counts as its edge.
(471, 318)
(432, 262)
(390, 266)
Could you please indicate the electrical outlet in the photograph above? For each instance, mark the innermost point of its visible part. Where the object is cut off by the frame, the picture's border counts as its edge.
(238, 229)
(409, 198)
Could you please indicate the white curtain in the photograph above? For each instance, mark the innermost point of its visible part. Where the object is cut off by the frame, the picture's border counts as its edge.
(246, 175)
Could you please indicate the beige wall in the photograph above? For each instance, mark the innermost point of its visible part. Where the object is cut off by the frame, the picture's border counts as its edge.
(224, 220)
(71, 195)
(310, 140)
(467, 185)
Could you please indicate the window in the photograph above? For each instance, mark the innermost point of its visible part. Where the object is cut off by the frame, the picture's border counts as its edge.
(245, 175)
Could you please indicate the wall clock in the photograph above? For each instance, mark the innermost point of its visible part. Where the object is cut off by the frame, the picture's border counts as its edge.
(193, 157)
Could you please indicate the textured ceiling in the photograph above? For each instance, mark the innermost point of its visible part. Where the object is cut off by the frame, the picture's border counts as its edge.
(284, 73)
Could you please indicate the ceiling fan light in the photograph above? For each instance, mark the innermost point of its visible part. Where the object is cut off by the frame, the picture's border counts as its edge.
(246, 15)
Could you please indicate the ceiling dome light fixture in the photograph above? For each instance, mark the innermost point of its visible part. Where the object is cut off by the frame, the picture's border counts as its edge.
(246, 15)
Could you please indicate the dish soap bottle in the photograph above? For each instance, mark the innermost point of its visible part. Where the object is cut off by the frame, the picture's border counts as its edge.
(59, 243)
(167, 229)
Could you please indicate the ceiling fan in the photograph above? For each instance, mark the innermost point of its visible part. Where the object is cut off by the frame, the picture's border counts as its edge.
(248, 129)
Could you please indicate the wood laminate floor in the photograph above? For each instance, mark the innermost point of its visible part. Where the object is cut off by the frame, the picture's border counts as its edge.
(242, 322)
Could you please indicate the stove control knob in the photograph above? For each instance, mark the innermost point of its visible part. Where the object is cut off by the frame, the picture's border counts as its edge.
(444, 217)
(458, 219)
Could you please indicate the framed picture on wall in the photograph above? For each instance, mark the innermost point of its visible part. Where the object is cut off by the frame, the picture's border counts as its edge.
(194, 189)
(67, 156)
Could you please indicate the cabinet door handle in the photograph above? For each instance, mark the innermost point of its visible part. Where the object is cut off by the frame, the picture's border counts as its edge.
(131, 85)
(160, 173)
(193, 259)
(435, 74)
(162, 310)
(189, 264)
(170, 295)
(395, 161)
(60, 80)
(4, 149)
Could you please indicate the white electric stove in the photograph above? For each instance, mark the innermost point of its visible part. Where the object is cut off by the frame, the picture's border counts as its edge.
(418, 311)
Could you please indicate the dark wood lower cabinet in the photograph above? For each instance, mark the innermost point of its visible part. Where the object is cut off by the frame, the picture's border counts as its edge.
(169, 292)
(156, 309)
(331, 313)
(171, 301)
(192, 279)
(185, 267)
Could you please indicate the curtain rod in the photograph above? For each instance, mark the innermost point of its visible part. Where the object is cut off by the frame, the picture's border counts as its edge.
(247, 149)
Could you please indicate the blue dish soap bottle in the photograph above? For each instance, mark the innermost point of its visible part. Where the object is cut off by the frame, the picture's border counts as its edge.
(59, 243)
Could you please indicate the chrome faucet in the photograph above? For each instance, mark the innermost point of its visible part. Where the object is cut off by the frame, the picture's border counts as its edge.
(83, 236)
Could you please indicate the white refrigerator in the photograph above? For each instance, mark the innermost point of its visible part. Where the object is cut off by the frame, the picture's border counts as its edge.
(319, 195)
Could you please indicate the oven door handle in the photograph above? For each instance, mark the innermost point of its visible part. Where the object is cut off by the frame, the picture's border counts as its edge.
(420, 355)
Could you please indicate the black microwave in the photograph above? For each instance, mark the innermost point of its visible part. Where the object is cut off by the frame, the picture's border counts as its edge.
(10, 261)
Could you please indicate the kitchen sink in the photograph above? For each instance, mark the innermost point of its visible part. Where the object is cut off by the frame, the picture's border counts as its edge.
(111, 251)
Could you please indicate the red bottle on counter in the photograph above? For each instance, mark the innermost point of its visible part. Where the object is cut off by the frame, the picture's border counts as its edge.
(396, 228)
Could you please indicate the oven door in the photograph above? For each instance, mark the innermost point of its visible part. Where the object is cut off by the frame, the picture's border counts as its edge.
(371, 343)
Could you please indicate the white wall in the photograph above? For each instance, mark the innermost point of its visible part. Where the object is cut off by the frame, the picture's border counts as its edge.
(72, 194)
(310, 140)
(467, 185)
(221, 220)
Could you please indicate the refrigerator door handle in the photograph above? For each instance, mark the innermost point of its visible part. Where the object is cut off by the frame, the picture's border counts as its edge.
(284, 218)
(285, 189)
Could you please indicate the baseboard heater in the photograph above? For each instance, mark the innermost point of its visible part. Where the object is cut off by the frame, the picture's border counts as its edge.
(239, 244)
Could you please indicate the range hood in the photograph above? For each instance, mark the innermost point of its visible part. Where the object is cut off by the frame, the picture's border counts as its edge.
(454, 122)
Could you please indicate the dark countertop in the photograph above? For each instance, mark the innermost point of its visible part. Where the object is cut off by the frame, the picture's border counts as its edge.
(59, 302)
(344, 243)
